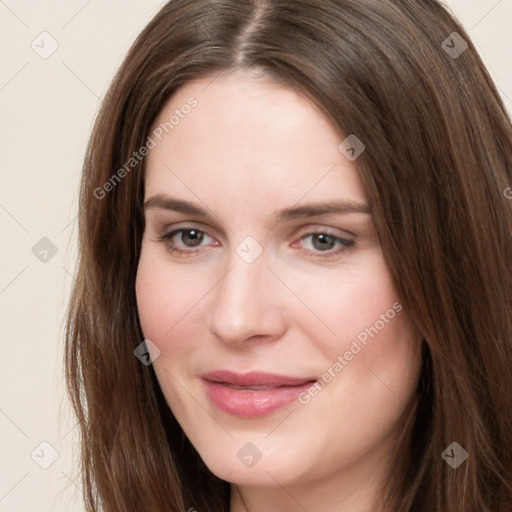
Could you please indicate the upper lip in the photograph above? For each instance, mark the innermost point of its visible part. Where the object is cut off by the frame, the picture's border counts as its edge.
(254, 378)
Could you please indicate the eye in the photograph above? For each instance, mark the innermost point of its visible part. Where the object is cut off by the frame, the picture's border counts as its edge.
(324, 242)
(186, 240)
(189, 241)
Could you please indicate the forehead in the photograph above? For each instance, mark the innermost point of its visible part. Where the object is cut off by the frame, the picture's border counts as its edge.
(248, 138)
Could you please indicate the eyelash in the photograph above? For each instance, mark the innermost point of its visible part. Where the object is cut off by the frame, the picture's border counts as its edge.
(344, 243)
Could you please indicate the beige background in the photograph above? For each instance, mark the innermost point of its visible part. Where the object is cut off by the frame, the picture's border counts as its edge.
(47, 109)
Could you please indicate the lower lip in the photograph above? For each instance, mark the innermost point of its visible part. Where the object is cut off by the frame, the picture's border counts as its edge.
(252, 403)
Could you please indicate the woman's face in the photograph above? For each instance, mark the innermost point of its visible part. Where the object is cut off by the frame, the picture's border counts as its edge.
(261, 272)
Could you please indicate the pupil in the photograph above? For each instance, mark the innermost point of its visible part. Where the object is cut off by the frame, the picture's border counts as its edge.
(192, 237)
(323, 242)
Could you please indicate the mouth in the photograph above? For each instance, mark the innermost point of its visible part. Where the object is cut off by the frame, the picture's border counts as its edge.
(254, 379)
(249, 388)
(253, 394)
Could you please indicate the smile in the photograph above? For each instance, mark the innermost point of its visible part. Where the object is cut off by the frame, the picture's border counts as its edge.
(253, 394)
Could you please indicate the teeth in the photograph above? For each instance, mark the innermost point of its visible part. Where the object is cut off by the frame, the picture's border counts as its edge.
(253, 388)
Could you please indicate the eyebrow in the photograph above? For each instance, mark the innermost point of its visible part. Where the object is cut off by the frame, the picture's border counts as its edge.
(162, 202)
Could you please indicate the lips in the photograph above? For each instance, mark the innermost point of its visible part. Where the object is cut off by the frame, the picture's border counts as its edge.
(253, 394)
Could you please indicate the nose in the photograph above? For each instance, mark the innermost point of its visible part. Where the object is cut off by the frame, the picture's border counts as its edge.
(246, 306)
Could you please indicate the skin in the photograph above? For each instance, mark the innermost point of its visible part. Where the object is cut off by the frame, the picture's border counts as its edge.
(249, 149)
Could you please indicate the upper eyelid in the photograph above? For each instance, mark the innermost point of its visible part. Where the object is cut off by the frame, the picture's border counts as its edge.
(190, 225)
(175, 231)
(221, 227)
(310, 228)
(324, 230)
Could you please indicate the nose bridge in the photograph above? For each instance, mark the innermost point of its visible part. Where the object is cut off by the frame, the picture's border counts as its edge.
(244, 304)
(241, 283)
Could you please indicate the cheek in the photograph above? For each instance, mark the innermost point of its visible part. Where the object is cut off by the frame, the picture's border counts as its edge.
(164, 299)
(371, 341)
(356, 304)
(151, 299)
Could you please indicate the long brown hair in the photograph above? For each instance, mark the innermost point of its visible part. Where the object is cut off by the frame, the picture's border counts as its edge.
(437, 165)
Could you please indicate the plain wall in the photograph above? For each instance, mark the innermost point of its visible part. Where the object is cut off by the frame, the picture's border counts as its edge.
(47, 109)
